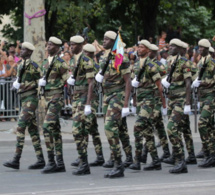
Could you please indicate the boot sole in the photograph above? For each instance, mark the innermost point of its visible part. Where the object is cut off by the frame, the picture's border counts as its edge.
(17, 168)
(96, 165)
(116, 176)
(80, 174)
(182, 171)
(135, 169)
(152, 169)
(39, 167)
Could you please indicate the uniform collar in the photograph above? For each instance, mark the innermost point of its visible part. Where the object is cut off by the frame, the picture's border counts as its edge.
(207, 58)
(77, 56)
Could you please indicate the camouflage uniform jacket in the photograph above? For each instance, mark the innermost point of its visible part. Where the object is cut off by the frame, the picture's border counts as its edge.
(182, 71)
(58, 75)
(113, 81)
(147, 80)
(29, 81)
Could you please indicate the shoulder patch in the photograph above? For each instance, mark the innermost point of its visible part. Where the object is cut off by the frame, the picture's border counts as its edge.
(60, 59)
(96, 66)
(35, 64)
(150, 65)
(213, 60)
(185, 59)
(159, 63)
(86, 59)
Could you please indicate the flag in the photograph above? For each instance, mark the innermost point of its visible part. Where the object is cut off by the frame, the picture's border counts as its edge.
(118, 51)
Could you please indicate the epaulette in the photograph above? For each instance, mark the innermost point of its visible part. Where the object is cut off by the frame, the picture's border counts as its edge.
(97, 66)
(151, 65)
(185, 59)
(86, 59)
(213, 60)
(60, 59)
(34, 64)
(159, 63)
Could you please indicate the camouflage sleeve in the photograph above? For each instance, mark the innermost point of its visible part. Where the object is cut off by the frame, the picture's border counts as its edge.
(125, 68)
(154, 73)
(89, 67)
(18, 70)
(186, 68)
(162, 71)
(64, 71)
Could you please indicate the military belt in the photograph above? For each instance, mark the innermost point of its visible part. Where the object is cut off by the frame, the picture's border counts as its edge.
(113, 89)
(81, 88)
(27, 93)
(53, 92)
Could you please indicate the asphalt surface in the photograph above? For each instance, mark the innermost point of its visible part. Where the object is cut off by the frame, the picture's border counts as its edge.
(23, 182)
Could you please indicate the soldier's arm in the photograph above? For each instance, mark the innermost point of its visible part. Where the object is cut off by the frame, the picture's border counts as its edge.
(127, 80)
(188, 90)
(90, 82)
(160, 89)
(90, 74)
(64, 71)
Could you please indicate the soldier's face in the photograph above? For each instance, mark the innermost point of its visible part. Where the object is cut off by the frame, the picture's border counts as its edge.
(142, 50)
(89, 54)
(173, 49)
(203, 51)
(108, 43)
(25, 53)
(52, 48)
(153, 54)
(75, 47)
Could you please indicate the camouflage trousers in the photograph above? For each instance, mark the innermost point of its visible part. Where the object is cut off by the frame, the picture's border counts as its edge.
(51, 124)
(27, 118)
(159, 124)
(205, 124)
(92, 129)
(176, 123)
(144, 128)
(81, 125)
(112, 107)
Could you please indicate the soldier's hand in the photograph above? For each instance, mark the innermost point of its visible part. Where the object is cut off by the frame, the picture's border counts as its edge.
(165, 83)
(42, 82)
(87, 110)
(133, 110)
(187, 109)
(164, 111)
(135, 83)
(16, 85)
(125, 112)
(71, 81)
(196, 83)
(99, 77)
(198, 106)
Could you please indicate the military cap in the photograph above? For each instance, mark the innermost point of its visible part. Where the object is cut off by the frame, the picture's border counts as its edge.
(153, 47)
(89, 47)
(204, 43)
(28, 45)
(184, 45)
(145, 43)
(211, 49)
(55, 40)
(110, 34)
(177, 42)
(77, 39)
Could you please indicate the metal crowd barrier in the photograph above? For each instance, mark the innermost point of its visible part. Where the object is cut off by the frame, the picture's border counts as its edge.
(9, 101)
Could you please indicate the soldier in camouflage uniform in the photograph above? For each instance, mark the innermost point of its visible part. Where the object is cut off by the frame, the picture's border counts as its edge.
(179, 99)
(83, 110)
(27, 84)
(145, 84)
(205, 86)
(53, 93)
(116, 87)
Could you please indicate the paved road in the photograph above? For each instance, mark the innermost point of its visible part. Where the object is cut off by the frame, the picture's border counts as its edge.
(23, 182)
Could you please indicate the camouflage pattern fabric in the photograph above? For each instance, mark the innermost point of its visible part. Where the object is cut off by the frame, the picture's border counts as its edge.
(207, 92)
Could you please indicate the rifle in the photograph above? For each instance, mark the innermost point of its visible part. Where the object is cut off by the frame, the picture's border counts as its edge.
(22, 72)
(195, 93)
(142, 70)
(169, 77)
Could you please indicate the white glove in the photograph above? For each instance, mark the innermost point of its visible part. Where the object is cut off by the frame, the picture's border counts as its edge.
(16, 85)
(133, 110)
(42, 82)
(135, 83)
(187, 109)
(132, 101)
(165, 83)
(125, 112)
(71, 81)
(87, 110)
(99, 77)
(196, 83)
(198, 106)
(164, 111)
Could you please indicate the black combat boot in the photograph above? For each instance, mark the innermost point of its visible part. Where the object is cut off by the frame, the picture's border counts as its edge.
(180, 167)
(14, 164)
(83, 167)
(166, 153)
(143, 158)
(51, 165)
(128, 161)
(109, 163)
(76, 162)
(170, 160)
(191, 159)
(117, 171)
(60, 164)
(208, 161)
(154, 165)
(136, 165)
(40, 164)
(98, 162)
(200, 154)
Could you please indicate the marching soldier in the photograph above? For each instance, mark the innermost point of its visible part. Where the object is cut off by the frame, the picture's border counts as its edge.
(116, 88)
(83, 109)
(27, 85)
(147, 77)
(211, 51)
(205, 83)
(55, 73)
(178, 82)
